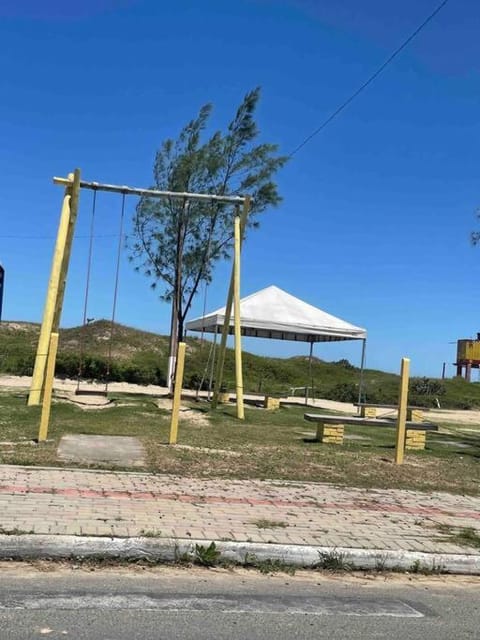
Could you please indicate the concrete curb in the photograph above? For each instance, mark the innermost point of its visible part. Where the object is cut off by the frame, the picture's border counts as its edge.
(62, 547)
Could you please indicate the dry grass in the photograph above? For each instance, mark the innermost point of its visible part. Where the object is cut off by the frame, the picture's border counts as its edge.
(268, 445)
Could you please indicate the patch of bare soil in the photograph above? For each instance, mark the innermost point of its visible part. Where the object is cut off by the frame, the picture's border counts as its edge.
(86, 402)
(195, 418)
(187, 447)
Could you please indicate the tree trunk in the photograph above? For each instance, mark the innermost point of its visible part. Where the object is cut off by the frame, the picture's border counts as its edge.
(180, 332)
(173, 345)
(176, 326)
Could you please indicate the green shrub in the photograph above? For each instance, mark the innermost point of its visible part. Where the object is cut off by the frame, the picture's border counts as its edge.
(343, 392)
(345, 364)
(426, 387)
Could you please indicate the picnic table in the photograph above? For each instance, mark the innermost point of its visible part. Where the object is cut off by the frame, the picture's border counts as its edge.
(369, 410)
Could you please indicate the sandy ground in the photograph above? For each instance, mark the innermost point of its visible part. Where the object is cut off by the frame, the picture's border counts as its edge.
(454, 416)
(28, 570)
(470, 417)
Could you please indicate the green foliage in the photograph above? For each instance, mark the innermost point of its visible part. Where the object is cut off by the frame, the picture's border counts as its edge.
(196, 381)
(426, 387)
(15, 531)
(343, 392)
(150, 533)
(176, 243)
(269, 565)
(469, 537)
(334, 561)
(141, 357)
(426, 569)
(345, 364)
(463, 536)
(264, 523)
(206, 556)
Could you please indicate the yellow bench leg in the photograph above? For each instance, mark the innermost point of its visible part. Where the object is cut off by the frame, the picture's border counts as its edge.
(415, 439)
(271, 403)
(330, 433)
(415, 415)
(368, 412)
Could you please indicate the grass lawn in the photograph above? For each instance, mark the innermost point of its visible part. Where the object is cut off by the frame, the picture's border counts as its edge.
(275, 444)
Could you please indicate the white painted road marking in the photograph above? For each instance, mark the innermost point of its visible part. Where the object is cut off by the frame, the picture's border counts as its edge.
(317, 606)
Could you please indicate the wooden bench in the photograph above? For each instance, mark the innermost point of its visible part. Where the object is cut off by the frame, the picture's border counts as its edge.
(330, 429)
(368, 410)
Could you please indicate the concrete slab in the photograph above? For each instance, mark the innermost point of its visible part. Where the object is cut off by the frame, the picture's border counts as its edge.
(122, 451)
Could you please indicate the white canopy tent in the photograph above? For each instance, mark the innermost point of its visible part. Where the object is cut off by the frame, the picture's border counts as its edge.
(275, 314)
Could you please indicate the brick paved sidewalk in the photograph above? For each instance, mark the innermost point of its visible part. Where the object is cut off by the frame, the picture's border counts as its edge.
(64, 501)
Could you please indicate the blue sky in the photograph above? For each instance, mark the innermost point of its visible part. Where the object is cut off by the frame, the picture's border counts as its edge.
(377, 209)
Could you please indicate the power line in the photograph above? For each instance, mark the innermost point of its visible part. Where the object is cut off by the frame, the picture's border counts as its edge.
(79, 237)
(390, 59)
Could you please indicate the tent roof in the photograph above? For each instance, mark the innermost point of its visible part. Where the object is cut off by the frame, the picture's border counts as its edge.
(274, 313)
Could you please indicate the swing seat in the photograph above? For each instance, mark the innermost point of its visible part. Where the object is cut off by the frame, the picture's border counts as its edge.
(90, 392)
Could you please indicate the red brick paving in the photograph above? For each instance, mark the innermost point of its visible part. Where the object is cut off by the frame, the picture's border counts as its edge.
(59, 501)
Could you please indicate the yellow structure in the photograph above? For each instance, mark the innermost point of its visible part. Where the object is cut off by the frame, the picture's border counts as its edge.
(44, 367)
(177, 394)
(368, 412)
(56, 285)
(415, 439)
(468, 357)
(402, 410)
(228, 312)
(223, 349)
(468, 350)
(330, 433)
(271, 403)
(415, 415)
(237, 323)
(47, 397)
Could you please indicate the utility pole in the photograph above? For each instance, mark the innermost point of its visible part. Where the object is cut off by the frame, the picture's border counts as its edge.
(2, 282)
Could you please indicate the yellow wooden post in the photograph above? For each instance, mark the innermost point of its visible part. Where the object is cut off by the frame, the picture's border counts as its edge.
(74, 200)
(402, 410)
(237, 324)
(177, 395)
(223, 346)
(47, 398)
(51, 300)
(228, 313)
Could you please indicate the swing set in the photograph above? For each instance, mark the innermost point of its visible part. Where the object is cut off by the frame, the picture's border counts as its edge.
(44, 368)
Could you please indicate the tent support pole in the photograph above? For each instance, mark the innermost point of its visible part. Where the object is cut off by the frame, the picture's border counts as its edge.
(311, 371)
(212, 366)
(310, 380)
(362, 367)
(238, 327)
(228, 313)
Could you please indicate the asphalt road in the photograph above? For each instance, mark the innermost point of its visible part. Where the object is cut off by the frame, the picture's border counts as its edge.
(121, 604)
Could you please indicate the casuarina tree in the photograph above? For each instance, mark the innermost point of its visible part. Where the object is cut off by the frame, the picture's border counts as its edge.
(176, 243)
